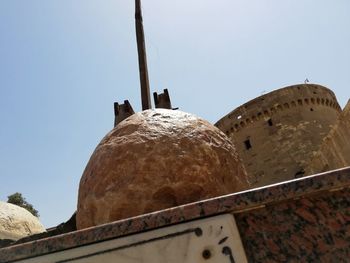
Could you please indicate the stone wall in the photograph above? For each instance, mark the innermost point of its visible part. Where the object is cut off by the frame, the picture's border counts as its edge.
(309, 229)
(303, 220)
(277, 133)
(335, 150)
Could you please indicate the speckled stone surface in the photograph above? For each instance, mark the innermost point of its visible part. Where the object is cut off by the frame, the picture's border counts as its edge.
(300, 203)
(153, 160)
(311, 229)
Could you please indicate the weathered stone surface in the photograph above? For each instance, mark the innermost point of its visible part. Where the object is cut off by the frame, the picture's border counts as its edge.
(334, 152)
(276, 134)
(16, 222)
(62, 228)
(154, 160)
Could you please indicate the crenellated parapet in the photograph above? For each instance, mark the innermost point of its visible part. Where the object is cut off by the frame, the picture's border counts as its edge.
(303, 95)
(277, 132)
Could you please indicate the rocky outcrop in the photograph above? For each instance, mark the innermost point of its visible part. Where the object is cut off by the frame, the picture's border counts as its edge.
(154, 160)
(16, 222)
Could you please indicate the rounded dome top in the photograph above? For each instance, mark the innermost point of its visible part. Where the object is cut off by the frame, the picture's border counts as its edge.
(154, 160)
(16, 222)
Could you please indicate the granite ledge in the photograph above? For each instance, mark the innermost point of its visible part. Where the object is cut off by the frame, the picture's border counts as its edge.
(232, 203)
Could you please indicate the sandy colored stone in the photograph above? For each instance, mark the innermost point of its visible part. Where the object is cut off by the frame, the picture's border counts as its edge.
(16, 222)
(154, 160)
(334, 152)
(277, 133)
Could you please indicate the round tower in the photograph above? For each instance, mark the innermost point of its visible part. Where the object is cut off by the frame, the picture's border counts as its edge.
(275, 134)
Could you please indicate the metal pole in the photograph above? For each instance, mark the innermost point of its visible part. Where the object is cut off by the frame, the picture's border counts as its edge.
(140, 37)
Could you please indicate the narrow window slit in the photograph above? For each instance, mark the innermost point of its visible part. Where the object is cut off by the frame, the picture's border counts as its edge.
(247, 144)
(270, 122)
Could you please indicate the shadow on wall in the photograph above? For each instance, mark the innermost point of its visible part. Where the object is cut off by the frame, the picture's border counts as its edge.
(277, 135)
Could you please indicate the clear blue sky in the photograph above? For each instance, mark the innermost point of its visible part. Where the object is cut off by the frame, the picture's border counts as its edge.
(63, 63)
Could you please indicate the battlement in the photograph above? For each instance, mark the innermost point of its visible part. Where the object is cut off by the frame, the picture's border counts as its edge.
(275, 134)
(267, 105)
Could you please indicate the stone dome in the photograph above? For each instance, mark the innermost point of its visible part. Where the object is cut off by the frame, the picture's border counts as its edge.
(16, 222)
(154, 160)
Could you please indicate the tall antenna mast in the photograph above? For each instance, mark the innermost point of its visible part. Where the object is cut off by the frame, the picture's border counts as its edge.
(141, 49)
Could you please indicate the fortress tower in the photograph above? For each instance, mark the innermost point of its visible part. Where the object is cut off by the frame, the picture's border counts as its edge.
(277, 133)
